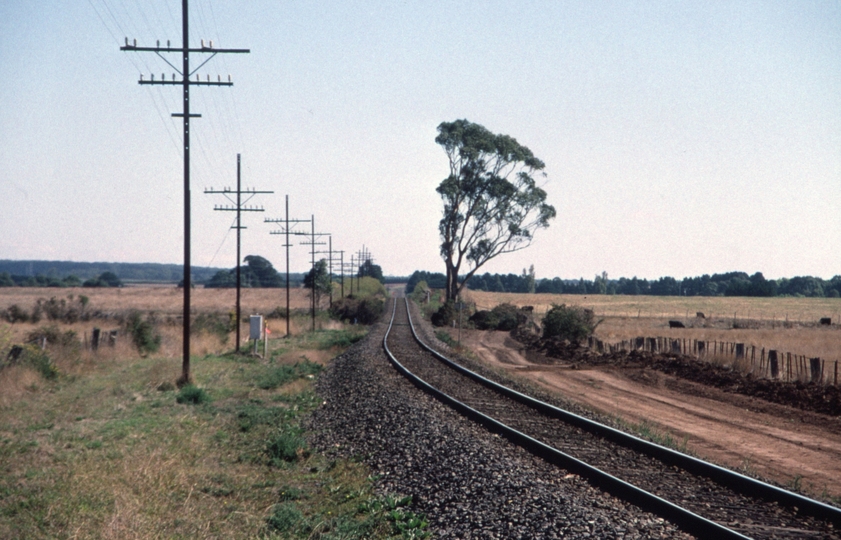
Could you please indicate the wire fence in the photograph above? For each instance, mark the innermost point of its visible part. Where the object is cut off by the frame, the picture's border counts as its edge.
(757, 361)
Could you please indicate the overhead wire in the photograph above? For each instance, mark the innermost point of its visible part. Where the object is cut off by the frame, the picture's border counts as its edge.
(224, 238)
(225, 98)
(220, 119)
(132, 20)
(215, 144)
(158, 99)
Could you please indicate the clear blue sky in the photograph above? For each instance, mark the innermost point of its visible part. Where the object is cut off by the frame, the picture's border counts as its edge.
(680, 138)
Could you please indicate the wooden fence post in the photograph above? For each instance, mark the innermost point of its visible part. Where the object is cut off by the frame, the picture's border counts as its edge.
(788, 360)
(95, 338)
(816, 370)
(772, 361)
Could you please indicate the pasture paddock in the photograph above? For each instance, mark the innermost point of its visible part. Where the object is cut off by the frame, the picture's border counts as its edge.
(785, 324)
(165, 302)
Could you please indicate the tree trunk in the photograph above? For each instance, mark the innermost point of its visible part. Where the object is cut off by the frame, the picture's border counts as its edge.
(452, 282)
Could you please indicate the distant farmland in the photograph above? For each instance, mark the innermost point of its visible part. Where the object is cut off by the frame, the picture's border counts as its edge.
(787, 324)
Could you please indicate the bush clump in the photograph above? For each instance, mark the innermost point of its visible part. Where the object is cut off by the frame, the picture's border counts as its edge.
(214, 323)
(445, 315)
(15, 313)
(143, 333)
(33, 357)
(366, 310)
(421, 292)
(193, 395)
(287, 446)
(52, 335)
(505, 317)
(286, 518)
(572, 323)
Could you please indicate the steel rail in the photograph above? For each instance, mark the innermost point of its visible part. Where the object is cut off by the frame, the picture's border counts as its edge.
(683, 518)
(726, 477)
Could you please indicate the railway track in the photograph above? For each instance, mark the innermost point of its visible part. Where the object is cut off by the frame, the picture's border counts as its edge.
(703, 499)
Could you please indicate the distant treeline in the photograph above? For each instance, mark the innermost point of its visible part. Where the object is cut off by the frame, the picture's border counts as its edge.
(727, 284)
(74, 274)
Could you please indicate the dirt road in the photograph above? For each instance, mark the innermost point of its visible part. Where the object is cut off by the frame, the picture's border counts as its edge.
(794, 448)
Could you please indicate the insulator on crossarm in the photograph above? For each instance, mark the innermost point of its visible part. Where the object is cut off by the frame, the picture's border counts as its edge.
(163, 76)
(202, 44)
(211, 43)
(173, 76)
(126, 41)
(158, 43)
(135, 43)
(229, 77)
(152, 75)
(198, 77)
(219, 78)
(167, 44)
(141, 76)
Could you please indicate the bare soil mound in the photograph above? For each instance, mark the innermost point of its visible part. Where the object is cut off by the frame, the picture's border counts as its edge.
(807, 397)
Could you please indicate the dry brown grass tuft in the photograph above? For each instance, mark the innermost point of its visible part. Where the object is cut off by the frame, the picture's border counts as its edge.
(16, 383)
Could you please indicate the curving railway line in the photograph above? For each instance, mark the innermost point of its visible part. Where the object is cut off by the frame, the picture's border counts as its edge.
(703, 499)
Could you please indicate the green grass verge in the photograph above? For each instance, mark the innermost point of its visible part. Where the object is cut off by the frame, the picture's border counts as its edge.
(116, 452)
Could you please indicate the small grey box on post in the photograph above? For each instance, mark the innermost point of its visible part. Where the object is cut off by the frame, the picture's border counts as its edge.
(256, 327)
(256, 333)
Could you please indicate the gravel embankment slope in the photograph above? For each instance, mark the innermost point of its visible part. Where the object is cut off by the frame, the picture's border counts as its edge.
(469, 482)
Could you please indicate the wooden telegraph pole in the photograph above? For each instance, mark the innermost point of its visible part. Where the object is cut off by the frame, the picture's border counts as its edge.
(184, 81)
(286, 226)
(238, 207)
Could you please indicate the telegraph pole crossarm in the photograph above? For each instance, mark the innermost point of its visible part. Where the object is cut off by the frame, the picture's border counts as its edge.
(184, 80)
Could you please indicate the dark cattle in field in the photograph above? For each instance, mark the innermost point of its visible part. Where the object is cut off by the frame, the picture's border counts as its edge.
(826, 320)
(676, 324)
(700, 315)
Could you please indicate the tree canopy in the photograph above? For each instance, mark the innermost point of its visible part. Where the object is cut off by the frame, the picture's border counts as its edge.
(105, 279)
(319, 281)
(257, 272)
(492, 203)
(369, 269)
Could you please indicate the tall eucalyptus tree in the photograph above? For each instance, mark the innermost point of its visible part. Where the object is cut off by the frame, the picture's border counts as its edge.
(492, 203)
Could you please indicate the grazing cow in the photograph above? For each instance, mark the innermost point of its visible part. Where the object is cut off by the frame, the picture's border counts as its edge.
(676, 324)
(700, 315)
(826, 320)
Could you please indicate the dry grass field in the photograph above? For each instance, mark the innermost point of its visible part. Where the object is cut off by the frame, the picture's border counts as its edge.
(785, 324)
(164, 302)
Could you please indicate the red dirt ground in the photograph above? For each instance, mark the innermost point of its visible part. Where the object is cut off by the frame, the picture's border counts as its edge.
(791, 446)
